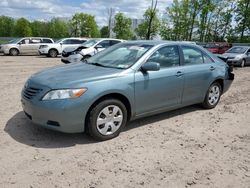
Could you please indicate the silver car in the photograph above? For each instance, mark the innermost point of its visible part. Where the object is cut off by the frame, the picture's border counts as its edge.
(24, 46)
(238, 55)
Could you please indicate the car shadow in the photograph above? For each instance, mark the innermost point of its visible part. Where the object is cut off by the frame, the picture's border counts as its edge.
(21, 129)
(162, 116)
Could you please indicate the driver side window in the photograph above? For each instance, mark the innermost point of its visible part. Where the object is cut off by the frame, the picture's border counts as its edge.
(167, 56)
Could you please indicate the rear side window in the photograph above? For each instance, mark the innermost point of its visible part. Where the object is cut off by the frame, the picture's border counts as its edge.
(35, 41)
(46, 41)
(207, 59)
(105, 43)
(113, 42)
(76, 41)
(167, 56)
(192, 56)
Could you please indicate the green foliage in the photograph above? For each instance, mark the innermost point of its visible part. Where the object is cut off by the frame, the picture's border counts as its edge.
(122, 27)
(39, 29)
(6, 26)
(104, 32)
(22, 28)
(58, 28)
(243, 19)
(84, 25)
(150, 27)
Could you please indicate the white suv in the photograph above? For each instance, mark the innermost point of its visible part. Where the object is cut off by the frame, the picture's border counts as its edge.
(24, 46)
(53, 50)
(87, 49)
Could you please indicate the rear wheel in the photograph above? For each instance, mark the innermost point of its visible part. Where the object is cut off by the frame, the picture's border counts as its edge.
(14, 52)
(213, 96)
(107, 119)
(53, 53)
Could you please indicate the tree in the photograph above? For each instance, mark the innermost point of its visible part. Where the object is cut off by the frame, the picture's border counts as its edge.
(6, 26)
(22, 28)
(84, 25)
(58, 28)
(122, 27)
(151, 25)
(104, 32)
(39, 28)
(243, 18)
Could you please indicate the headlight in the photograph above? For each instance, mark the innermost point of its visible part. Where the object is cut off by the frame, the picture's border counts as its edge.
(75, 52)
(238, 57)
(64, 94)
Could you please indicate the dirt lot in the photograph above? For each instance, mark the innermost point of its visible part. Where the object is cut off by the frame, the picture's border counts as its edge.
(190, 147)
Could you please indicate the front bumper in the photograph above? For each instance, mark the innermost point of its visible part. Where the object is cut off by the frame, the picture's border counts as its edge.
(43, 51)
(61, 115)
(72, 58)
(232, 62)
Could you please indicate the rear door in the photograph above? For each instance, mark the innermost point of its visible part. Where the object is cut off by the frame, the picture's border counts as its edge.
(199, 69)
(34, 45)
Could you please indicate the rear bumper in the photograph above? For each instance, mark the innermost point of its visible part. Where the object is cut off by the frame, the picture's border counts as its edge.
(228, 82)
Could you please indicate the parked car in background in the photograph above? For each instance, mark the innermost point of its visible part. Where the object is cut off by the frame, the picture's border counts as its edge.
(126, 81)
(217, 47)
(238, 55)
(53, 50)
(24, 46)
(87, 49)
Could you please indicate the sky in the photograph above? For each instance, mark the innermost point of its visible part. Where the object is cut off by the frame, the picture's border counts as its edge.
(47, 9)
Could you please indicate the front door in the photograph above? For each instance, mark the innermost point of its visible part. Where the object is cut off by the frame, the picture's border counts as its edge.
(156, 90)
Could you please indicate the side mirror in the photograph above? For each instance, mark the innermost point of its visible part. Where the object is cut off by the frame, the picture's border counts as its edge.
(150, 66)
(248, 53)
(19, 43)
(98, 46)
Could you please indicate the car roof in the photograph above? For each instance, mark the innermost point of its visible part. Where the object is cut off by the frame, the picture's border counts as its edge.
(160, 42)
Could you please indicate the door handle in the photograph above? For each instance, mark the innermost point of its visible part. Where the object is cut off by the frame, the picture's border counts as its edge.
(179, 73)
(212, 68)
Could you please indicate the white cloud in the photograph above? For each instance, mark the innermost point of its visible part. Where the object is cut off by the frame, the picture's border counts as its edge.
(46, 9)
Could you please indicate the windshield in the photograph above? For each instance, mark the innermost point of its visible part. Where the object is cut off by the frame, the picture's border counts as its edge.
(89, 43)
(237, 50)
(14, 41)
(60, 40)
(120, 56)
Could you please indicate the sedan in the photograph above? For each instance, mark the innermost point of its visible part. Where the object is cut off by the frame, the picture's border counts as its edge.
(127, 81)
(238, 55)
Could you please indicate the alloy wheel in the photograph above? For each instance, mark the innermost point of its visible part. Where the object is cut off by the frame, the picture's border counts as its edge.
(109, 120)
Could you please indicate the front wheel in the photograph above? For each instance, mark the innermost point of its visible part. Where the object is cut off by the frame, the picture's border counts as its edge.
(213, 96)
(243, 63)
(107, 119)
(14, 52)
(53, 53)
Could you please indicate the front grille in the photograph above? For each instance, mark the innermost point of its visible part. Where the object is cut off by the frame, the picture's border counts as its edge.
(30, 92)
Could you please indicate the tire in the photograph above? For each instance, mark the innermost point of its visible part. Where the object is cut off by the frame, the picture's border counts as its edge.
(53, 53)
(243, 63)
(14, 52)
(212, 96)
(112, 115)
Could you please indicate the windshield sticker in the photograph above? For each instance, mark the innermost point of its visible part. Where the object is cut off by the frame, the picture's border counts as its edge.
(137, 48)
(123, 66)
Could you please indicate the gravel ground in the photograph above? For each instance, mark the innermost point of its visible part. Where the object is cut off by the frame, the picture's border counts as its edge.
(190, 147)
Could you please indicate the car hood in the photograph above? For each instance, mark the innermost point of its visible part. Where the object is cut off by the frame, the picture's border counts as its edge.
(73, 75)
(71, 49)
